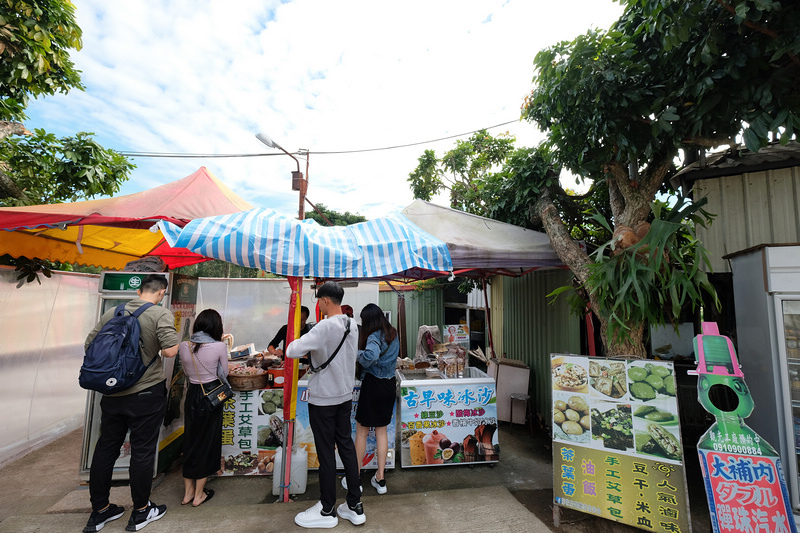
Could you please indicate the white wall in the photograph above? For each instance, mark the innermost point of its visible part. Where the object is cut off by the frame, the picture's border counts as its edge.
(44, 326)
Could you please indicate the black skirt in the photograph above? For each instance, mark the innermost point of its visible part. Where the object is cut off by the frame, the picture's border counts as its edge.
(202, 436)
(376, 401)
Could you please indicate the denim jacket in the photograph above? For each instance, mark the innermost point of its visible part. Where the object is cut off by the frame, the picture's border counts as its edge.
(379, 358)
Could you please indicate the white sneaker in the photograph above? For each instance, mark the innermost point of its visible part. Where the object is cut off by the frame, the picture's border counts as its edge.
(380, 486)
(355, 515)
(344, 484)
(313, 518)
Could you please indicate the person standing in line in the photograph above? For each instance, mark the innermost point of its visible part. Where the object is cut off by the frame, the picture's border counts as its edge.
(378, 348)
(274, 346)
(139, 409)
(332, 346)
(202, 437)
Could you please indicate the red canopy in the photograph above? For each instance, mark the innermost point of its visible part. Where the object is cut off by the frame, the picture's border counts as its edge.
(113, 231)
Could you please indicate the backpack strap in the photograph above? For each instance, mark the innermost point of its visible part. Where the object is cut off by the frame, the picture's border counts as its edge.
(336, 351)
(120, 311)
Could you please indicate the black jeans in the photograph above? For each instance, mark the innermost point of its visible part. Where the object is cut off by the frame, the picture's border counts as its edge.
(142, 413)
(330, 425)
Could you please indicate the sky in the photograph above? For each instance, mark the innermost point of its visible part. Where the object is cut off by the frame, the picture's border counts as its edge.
(203, 77)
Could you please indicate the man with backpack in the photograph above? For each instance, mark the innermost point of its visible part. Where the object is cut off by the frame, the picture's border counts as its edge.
(139, 409)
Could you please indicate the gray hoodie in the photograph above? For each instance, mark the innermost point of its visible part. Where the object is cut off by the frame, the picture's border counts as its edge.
(334, 384)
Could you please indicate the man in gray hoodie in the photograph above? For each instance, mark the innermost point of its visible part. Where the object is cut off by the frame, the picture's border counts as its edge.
(332, 346)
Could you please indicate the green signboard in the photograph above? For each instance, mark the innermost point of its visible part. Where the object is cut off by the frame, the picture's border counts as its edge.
(122, 281)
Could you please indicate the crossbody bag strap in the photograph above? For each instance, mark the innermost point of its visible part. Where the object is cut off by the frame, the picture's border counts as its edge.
(197, 371)
(336, 351)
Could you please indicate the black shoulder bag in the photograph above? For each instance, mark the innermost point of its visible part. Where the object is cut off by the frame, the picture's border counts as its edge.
(311, 368)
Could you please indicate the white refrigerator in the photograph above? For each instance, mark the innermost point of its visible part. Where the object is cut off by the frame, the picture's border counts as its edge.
(766, 282)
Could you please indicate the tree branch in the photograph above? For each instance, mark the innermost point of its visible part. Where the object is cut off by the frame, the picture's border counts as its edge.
(9, 189)
(616, 199)
(12, 128)
(760, 29)
(565, 247)
(707, 142)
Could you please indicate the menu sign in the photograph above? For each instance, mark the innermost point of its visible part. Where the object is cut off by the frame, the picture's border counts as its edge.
(448, 422)
(252, 432)
(616, 441)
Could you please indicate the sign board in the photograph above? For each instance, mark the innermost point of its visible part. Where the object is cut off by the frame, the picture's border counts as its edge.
(252, 432)
(125, 282)
(457, 333)
(744, 480)
(449, 421)
(617, 449)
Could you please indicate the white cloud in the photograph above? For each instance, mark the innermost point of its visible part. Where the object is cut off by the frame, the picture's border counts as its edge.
(206, 76)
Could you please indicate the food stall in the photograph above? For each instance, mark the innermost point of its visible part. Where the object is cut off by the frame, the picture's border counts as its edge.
(448, 410)
(253, 425)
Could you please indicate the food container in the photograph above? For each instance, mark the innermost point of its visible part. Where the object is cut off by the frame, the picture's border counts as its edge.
(248, 382)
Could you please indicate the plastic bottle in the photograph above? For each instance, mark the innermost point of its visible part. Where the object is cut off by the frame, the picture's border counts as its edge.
(299, 476)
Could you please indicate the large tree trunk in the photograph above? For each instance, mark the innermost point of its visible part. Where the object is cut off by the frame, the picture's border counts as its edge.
(633, 346)
(578, 261)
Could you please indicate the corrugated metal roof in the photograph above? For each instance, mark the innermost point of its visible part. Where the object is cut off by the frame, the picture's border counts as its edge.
(728, 162)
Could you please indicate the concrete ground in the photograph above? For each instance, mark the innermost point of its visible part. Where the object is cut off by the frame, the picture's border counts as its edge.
(42, 492)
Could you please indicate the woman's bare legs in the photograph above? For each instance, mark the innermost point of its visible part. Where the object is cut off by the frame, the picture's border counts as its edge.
(382, 441)
(361, 444)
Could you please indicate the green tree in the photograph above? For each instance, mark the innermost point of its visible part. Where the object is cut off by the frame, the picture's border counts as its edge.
(618, 105)
(219, 269)
(335, 218)
(462, 170)
(36, 37)
(50, 170)
(487, 176)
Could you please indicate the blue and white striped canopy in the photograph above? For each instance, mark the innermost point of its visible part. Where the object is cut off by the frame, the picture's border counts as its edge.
(261, 238)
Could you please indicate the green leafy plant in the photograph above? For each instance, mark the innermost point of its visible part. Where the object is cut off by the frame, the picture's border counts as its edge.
(28, 269)
(653, 280)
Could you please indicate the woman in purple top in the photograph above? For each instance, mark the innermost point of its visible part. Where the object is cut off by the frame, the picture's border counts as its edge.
(202, 436)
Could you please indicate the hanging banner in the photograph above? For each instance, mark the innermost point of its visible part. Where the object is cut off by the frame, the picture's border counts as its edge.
(617, 449)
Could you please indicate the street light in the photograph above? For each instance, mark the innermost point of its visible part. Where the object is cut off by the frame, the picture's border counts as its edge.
(298, 183)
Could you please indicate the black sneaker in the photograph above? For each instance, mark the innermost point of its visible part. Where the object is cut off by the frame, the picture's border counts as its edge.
(151, 513)
(98, 519)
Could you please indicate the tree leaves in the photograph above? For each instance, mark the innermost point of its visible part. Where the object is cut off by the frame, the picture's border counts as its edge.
(34, 47)
(53, 170)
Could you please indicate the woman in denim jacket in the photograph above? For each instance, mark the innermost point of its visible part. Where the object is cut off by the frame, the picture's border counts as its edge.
(378, 348)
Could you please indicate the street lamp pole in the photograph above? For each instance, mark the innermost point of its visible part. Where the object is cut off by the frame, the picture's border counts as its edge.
(292, 330)
(298, 183)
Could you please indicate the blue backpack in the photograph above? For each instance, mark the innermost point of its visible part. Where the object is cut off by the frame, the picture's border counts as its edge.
(113, 361)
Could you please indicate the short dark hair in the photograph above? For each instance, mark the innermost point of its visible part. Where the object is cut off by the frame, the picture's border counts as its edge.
(304, 309)
(332, 290)
(153, 283)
